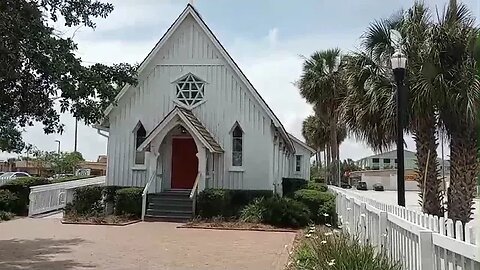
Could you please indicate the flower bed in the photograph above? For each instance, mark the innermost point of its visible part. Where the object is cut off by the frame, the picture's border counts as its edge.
(100, 220)
(327, 248)
(221, 224)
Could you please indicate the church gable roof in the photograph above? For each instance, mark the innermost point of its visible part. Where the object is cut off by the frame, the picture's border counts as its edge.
(191, 11)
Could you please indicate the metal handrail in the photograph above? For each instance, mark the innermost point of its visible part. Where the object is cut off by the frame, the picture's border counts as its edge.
(144, 195)
(193, 193)
(195, 186)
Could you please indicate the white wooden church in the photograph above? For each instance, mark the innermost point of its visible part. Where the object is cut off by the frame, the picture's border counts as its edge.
(194, 121)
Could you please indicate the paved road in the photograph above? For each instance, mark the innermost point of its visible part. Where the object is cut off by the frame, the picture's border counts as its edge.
(411, 199)
(47, 244)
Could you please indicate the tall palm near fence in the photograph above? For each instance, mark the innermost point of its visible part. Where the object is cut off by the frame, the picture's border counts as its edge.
(453, 41)
(321, 84)
(370, 109)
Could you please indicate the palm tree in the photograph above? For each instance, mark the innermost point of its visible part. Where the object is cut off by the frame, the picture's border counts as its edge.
(370, 109)
(315, 133)
(453, 40)
(321, 84)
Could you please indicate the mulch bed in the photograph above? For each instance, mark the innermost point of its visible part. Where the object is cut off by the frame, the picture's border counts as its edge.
(110, 220)
(234, 225)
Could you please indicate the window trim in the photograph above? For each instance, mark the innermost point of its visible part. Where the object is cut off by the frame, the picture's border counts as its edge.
(138, 166)
(232, 166)
(299, 165)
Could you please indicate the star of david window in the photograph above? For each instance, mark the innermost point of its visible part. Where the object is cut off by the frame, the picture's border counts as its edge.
(190, 90)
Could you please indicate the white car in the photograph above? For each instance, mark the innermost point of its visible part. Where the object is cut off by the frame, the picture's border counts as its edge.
(14, 175)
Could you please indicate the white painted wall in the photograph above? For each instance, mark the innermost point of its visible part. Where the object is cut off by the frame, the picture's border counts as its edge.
(227, 100)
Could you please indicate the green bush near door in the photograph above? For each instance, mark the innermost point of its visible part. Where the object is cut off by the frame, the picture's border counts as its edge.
(128, 201)
(226, 202)
(321, 204)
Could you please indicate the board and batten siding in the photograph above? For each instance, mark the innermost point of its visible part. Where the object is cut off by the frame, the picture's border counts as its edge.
(227, 101)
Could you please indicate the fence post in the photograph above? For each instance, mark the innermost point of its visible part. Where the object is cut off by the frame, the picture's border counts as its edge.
(363, 222)
(382, 225)
(426, 250)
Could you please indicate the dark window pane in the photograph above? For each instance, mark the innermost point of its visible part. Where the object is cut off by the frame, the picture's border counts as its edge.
(375, 160)
(237, 159)
(237, 132)
(140, 157)
(386, 160)
(237, 144)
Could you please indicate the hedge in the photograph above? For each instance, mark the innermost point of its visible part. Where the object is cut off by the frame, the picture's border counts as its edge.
(86, 200)
(290, 185)
(317, 186)
(21, 188)
(8, 201)
(226, 202)
(277, 211)
(319, 203)
(128, 201)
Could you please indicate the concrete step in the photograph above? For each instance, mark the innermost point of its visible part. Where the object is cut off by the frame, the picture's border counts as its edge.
(167, 205)
(165, 219)
(169, 213)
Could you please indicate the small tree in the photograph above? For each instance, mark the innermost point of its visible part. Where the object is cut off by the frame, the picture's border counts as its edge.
(66, 162)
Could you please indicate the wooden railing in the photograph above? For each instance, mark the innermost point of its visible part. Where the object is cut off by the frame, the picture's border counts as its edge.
(145, 194)
(416, 240)
(45, 198)
(194, 193)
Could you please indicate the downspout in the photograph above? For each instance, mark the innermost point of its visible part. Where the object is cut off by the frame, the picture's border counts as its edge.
(102, 134)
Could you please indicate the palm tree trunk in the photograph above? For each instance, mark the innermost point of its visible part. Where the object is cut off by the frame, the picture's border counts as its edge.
(427, 174)
(319, 156)
(463, 169)
(334, 145)
(327, 168)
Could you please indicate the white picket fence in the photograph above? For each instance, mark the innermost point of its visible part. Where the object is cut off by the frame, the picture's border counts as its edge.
(416, 240)
(46, 198)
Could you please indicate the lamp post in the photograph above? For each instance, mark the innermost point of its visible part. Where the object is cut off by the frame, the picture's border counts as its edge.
(399, 62)
(58, 148)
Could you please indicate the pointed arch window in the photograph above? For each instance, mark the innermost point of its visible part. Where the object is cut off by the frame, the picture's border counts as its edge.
(237, 146)
(140, 136)
(190, 90)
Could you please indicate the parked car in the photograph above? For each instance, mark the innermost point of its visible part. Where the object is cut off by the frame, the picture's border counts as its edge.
(362, 185)
(345, 185)
(378, 187)
(14, 175)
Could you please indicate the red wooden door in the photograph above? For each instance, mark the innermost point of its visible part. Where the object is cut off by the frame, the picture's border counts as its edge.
(184, 163)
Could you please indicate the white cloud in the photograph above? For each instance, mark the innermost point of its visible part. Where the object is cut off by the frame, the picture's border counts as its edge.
(272, 63)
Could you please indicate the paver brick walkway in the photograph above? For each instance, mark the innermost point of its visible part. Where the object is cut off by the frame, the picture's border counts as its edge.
(47, 244)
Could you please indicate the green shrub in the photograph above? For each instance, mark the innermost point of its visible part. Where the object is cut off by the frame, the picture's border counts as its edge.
(325, 249)
(285, 212)
(128, 201)
(290, 185)
(8, 201)
(227, 203)
(320, 204)
(317, 186)
(213, 202)
(21, 188)
(109, 193)
(87, 200)
(4, 215)
(253, 212)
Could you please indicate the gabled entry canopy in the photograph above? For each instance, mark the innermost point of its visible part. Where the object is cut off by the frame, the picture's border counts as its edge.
(192, 124)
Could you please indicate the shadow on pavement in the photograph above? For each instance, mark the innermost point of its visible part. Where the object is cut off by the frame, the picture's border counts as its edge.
(38, 254)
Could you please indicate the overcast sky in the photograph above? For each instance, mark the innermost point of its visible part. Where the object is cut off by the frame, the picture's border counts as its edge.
(266, 39)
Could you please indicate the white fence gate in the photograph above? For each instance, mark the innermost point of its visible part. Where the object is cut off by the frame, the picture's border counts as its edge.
(416, 240)
(45, 198)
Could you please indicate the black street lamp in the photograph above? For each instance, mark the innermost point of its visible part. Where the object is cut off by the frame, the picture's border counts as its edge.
(399, 63)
